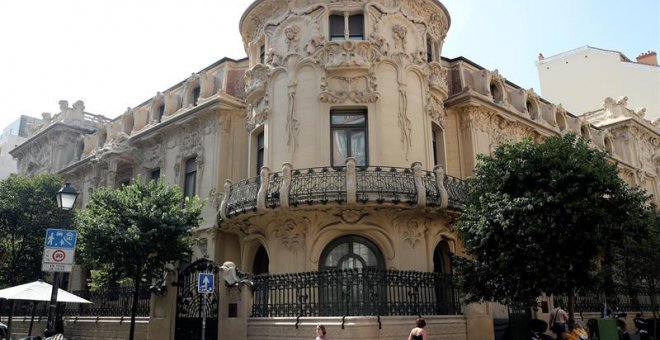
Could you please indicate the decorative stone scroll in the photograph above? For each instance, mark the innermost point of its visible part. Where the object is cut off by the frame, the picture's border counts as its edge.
(359, 89)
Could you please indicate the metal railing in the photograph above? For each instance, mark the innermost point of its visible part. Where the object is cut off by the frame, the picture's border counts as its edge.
(111, 302)
(354, 292)
(618, 297)
(382, 184)
(352, 185)
(317, 185)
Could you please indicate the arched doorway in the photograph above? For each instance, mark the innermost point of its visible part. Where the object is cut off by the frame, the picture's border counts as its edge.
(444, 292)
(260, 266)
(261, 262)
(350, 270)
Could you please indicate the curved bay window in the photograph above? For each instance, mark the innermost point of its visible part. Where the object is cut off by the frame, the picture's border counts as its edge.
(351, 273)
(348, 130)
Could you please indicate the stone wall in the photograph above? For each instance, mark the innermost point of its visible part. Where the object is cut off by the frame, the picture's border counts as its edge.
(85, 328)
(393, 328)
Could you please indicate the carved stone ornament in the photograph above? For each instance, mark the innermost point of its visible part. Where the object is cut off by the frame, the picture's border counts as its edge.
(290, 234)
(359, 89)
(351, 216)
(436, 110)
(404, 122)
(414, 231)
(292, 38)
(256, 80)
(347, 54)
(399, 33)
(437, 77)
(257, 113)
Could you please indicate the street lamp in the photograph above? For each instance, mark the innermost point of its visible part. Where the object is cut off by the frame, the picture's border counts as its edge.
(66, 198)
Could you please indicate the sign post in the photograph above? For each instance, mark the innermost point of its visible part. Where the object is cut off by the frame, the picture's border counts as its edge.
(59, 250)
(205, 283)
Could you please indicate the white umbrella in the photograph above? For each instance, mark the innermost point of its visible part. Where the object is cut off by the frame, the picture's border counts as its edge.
(38, 291)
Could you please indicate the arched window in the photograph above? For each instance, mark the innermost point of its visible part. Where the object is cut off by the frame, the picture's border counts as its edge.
(351, 252)
(496, 93)
(532, 110)
(561, 121)
(358, 262)
(261, 262)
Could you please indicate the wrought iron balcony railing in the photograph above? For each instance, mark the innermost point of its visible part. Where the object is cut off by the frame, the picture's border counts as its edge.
(354, 292)
(348, 184)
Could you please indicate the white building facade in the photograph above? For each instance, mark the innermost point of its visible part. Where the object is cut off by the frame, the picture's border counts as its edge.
(580, 78)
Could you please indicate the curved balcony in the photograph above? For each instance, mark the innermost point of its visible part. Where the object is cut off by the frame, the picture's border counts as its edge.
(349, 184)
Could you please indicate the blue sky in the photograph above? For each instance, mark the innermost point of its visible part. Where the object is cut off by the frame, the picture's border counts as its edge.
(117, 53)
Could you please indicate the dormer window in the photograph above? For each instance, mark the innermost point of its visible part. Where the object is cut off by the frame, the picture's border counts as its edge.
(161, 112)
(262, 54)
(195, 95)
(532, 110)
(346, 27)
(429, 49)
(584, 131)
(496, 93)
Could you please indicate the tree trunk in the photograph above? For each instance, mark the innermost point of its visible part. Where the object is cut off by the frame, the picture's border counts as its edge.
(136, 296)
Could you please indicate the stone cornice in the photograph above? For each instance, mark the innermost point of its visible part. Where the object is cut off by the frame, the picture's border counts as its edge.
(44, 132)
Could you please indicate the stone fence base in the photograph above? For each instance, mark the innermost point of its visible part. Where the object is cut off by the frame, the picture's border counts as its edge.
(84, 328)
(392, 328)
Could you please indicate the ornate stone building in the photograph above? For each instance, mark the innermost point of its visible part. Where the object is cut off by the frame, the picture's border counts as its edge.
(332, 159)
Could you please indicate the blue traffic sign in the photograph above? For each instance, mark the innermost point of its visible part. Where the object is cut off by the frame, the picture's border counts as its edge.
(61, 238)
(205, 283)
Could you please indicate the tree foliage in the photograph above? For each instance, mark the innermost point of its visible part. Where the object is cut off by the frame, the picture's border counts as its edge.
(540, 217)
(134, 232)
(27, 208)
(638, 263)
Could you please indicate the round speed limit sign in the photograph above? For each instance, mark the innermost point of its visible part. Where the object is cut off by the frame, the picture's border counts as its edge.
(58, 255)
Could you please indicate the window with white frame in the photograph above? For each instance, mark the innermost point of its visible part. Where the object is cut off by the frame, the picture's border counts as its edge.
(346, 27)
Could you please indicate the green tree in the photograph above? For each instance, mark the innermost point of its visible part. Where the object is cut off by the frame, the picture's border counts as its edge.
(638, 264)
(27, 208)
(541, 217)
(134, 232)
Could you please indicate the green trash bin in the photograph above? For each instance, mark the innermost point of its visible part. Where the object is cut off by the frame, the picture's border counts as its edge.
(607, 329)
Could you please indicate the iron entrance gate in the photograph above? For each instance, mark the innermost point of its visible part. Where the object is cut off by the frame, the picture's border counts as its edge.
(191, 305)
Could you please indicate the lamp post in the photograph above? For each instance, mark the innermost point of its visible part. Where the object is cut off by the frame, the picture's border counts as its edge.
(66, 198)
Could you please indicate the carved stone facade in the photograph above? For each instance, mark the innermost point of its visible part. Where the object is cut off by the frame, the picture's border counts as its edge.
(243, 121)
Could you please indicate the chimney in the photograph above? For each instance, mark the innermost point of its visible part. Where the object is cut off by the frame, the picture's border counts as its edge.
(648, 58)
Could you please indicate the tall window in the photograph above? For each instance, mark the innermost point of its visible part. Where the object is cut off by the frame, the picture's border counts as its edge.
(438, 141)
(260, 152)
(349, 136)
(190, 181)
(346, 27)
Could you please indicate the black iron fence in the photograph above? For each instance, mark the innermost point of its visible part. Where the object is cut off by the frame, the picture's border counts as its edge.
(620, 297)
(354, 292)
(112, 302)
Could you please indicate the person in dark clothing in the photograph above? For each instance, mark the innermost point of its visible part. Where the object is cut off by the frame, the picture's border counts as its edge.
(418, 333)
